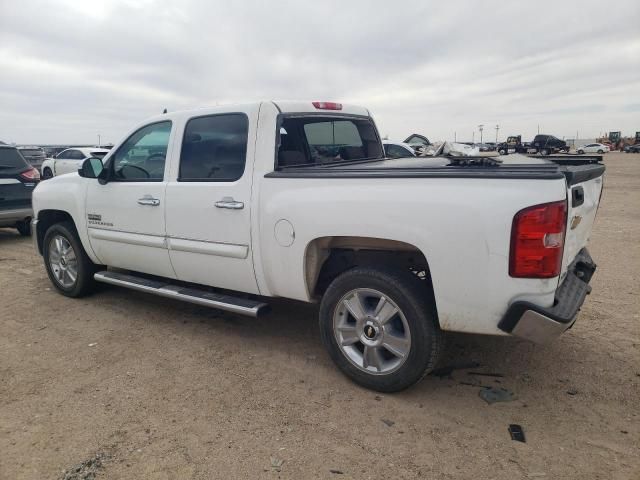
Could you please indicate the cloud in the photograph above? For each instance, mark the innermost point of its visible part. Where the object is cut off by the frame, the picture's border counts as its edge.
(79, 68)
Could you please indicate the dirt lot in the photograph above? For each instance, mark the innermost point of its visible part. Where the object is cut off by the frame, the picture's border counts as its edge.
(163, 389)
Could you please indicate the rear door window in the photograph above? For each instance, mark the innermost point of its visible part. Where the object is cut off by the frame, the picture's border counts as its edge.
(214, 148)
(11, 160)
(75, 155)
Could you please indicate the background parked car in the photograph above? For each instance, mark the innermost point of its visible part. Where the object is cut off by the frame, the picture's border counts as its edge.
(397, 149)
(594, 148)
(70, 160)
(34, 155)
(486, 147)
(17, 181)
(632, 148)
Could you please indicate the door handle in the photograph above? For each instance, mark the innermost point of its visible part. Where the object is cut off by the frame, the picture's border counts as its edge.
(149, 200)
(229, 202)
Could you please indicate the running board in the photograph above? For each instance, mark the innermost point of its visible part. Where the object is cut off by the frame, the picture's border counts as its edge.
(241, 306)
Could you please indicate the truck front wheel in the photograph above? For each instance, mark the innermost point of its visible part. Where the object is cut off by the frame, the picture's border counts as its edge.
(380, 327)
(68, 266)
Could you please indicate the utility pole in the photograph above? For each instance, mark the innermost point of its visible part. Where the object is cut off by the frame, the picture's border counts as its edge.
(497, 130)
(480, 127)
(538, 129)
(473, 137)
(99, 144)
(455, 136)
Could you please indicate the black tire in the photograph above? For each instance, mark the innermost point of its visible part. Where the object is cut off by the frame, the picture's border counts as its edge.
(418, 307)
(502, 152)
(581, 152)
(24, 228)
(544, 152)
(84, 283)
(600, 152)
(47, 173)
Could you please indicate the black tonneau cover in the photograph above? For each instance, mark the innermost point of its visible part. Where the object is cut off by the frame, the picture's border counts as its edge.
(510, 166)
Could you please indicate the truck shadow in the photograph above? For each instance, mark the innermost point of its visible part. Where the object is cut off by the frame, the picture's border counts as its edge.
(9, 236)
(292, 329)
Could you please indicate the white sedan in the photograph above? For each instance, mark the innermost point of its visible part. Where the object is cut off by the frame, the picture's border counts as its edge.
(594, 148)
(69, 160)
(397, 149)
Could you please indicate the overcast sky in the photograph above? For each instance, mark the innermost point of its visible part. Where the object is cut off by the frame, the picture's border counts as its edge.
(71, 69)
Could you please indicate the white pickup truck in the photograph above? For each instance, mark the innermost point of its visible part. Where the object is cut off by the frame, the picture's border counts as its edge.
(228, 206)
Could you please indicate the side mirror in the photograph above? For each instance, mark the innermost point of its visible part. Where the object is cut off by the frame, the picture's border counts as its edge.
(91, 168)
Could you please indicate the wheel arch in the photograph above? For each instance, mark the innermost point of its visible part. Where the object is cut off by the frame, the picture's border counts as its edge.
(49, 217)
(327, 257)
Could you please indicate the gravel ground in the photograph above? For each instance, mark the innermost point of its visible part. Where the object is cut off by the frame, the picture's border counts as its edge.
(153, 388)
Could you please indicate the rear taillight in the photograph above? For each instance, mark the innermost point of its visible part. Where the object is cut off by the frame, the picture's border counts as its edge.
(31, 175)
(327, 105)
(537, 241)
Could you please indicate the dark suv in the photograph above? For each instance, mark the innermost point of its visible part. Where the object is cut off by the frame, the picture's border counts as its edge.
(17, 181)
(548, 144)
(34, 155)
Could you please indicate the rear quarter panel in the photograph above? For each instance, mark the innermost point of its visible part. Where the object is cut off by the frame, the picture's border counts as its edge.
(462, 226)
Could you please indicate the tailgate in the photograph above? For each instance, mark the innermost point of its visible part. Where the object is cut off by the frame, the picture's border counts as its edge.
(584, 189)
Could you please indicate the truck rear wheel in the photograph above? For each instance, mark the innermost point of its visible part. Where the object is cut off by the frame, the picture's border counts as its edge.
(68, 266)
(380, 327)
(544, 152)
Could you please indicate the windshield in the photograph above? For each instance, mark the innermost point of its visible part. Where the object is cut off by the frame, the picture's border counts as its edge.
(314, 140)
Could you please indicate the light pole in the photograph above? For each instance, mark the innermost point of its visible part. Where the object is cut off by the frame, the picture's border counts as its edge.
(480, 127)
(99, 145)
(497, 130)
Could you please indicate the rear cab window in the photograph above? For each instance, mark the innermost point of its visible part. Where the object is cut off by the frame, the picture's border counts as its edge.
(318, 140)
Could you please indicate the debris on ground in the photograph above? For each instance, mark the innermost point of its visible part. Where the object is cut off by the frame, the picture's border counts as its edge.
(86, 470)
(276, 464)
(388, 423)
(573, 391)
(336, 472)
(516, 432)
(493, 395)
(92, 344)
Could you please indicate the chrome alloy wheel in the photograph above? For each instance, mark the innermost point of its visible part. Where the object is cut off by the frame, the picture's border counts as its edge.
(63, 262)
(371, 331)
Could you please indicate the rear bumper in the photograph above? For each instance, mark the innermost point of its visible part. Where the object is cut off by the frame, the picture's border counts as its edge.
(541, 325)
(16, 215)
